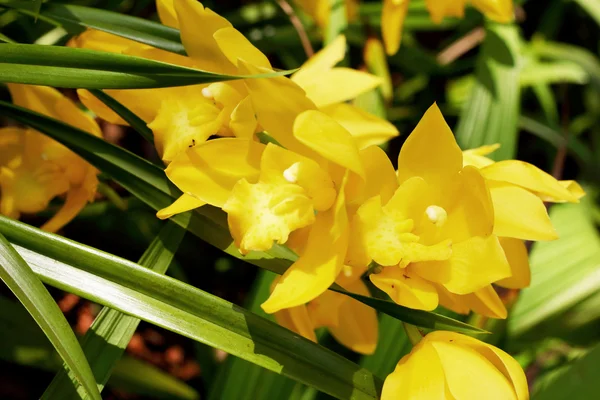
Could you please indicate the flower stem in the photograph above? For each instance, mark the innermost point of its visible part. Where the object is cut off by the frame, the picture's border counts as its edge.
(413, 333)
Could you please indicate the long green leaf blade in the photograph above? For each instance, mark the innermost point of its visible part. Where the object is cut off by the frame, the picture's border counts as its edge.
(148, 182)
(22, 281)
(181, 308)
(105, 341)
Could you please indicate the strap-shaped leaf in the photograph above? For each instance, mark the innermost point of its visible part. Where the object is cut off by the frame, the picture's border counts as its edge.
(148, 182)
(181, 308)
(68, 67)
(105, 341)
(21, 280)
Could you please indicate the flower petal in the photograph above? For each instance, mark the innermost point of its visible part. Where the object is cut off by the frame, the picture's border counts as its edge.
(529, 177)
(381, 177)
(439, 9)
(476, 157)
(519, 213)
(321, 262)
(406, 288)
(184, 203)
(296, 319)
(486, 302)
(418, 376)
(76, 200)
(243, 121)
(261, 213)
(322, 134)
(209, 171)
(518, 258)
(474, 263)
(99, 108)
(235, 46)
(430, 151)
(331, 86)
(166, 13)
(496, 10)
(573, 187)
(469, 374)
(357, 328)
(276, 101)
(507, 365)
(392, 22)
(197, 27)
(367, 129)
(322, 61)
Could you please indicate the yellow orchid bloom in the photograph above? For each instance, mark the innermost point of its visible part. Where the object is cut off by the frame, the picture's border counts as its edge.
(448, 365)
(394, 13)
(34, 168)
(327, 86)
(350, 322)
(270, 193)
(432, 225)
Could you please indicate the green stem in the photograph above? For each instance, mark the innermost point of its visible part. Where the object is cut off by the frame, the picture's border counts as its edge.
(413, 333)
(112, 196)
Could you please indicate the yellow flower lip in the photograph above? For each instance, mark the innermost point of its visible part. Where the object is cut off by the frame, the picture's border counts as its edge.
(437, 215)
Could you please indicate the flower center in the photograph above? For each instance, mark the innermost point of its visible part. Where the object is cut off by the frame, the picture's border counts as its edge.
(206, 92)
(437, 215)
(291, 174)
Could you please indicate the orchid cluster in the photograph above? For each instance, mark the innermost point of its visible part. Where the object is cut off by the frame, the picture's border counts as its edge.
(292, 162)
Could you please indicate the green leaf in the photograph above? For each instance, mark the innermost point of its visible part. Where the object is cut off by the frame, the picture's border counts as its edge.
(68, 67)
(576, 380)
(565, 281)
(183, 309)
(23, 343)
(149, 183)
(128, 116)
(75, 18)
(592, 7)
(105, 341)
(491, 114)
(21, 280)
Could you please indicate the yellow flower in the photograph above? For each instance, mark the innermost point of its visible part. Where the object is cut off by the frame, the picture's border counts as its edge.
(448, 365)
(327, 86)
(394, 13)
(34, 168)
(350, 322)
(270, 192)
(432, 226)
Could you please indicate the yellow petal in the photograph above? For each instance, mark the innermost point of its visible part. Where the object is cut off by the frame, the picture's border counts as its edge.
(329, 139)
(529, 177)
(406, 288)
(476, 157)
(573, 187)
(331, 86)
(520, 214)
(243, 121)
(392, 22)
(496, 10)
(184, 203)
(381, 178)
(474, 263)
(469, 374)
(486, 302)
(507, 365)
(198, 26)
(75, 201)
(296, 319)
(261, 213)
(235, 46)
(282, 166)
(183, 123)
(357, 328)
(276, 101)
(439, 9)
(430, 151)
(99, 108)
(103, 41)
(209, 171)
(418, 376)
(166, 13)
(451, 301)
(518, 258)
(323, 60)
(319, 265)
(367, 129)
